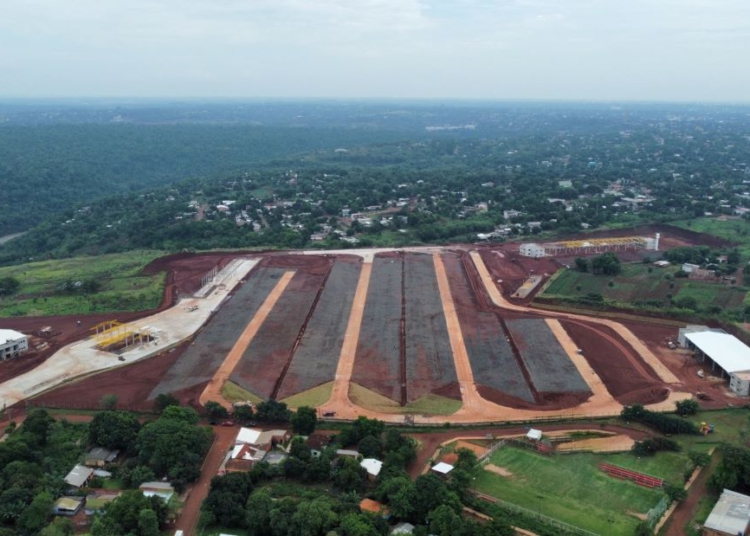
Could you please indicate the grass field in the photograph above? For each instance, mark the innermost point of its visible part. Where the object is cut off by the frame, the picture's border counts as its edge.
(637, 283)
(569, 488)
(234, 393)
(122, 287)
(737, 231)
(313, 398)
(429, 405)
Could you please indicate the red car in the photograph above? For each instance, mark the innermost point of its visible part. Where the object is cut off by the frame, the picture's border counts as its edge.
(228, 423)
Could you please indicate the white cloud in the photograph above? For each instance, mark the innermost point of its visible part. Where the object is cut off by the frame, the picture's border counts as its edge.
(643, 49)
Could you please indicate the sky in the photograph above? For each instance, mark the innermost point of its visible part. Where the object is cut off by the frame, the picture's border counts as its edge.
(653, 50)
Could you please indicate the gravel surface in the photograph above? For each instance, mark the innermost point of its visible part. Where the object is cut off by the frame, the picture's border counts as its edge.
(317, 355)
(550, 368)
(201, 360)
(429, 359)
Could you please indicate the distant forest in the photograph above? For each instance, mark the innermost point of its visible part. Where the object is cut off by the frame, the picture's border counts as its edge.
(90, 179)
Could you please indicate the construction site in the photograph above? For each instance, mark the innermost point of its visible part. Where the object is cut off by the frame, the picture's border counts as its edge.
(417, 335)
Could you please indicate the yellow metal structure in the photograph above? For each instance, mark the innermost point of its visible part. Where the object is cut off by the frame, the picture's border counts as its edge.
(112, 332)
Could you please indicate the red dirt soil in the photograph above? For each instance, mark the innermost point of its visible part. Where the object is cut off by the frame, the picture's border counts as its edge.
(185, 271)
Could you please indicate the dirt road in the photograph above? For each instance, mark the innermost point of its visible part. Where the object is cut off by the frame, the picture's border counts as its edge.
(191, 510)
(497, 298)
(686, 509)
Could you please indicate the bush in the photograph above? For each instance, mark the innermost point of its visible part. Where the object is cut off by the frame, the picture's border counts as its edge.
(687, 407)
(666, 424)
(649, 447)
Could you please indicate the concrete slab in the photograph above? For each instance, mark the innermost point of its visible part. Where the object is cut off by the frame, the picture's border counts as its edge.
(169, 328)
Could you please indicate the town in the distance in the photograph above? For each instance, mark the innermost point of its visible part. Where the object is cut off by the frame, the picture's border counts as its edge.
(326, 318)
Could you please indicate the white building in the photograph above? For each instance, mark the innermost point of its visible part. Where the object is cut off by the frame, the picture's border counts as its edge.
(730, 516)
(12, 343)
(724, 351)
(532, 250)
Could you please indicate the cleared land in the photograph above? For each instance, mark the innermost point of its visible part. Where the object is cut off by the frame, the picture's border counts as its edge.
(264, 361)
(377, 365)
(641, 285)
(203, 357)
(429, 359)
(550, 368)
(52, 287)
(496, 371)
(316, 357)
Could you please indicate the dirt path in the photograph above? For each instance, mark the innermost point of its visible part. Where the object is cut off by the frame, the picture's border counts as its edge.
(617, 443)
(191, 510)
(497, 298)
(591, 378)
(215, 385)
(686, 509)
(339, 402)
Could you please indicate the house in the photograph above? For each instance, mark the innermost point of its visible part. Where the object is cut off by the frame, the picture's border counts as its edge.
(99, 457)
(403, 528)
(255, 436)
(533, 434)
(532, 250)
(164, 490)
(730, 516)
(372, 466)
(349, 453)
(12, 343)
(689, 268)
(78, 476)
(442, 469)
(251, 446)
(661, 264)
(68, 506)
(374, 507)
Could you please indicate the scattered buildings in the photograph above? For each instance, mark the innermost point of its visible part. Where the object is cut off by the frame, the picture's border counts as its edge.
(12, 343)
(253, 445)
(588, 247)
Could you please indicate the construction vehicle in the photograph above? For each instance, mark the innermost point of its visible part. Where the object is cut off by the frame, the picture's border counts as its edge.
(706, 428)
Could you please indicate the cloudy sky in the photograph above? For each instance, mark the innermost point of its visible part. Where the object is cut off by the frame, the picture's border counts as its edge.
(696, 50)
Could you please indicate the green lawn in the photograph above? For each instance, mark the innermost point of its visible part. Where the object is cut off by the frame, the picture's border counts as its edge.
(737, 231)
(122, 286)
(636, 282)
(570, 488)
(670, 466)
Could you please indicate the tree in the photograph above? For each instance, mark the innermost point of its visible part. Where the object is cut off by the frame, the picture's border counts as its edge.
(467, 459)
(370, 447)
(114, 430)
(59, 527)
(582, 265)
(164, 400)
(148, 524)
(178, 413)
(348, 475)
(215, 410)
(687, 407)
(272, 411)
(431, 493)
(243, 413)
(314, 518)
(443, 521)
(358, 525)
(109, 401)
(607, 264)
(9, 286)
(173, 446)
(258, 512)
(304, 420)
(35, 517)
(141, 474)
(675, 493)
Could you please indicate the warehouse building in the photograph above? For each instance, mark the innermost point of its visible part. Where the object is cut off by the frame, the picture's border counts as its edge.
(12, 343)
(728, 356)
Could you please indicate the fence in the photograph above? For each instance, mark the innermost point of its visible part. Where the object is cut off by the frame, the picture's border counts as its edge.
(654, 515)
(639, 478)
(514, 508)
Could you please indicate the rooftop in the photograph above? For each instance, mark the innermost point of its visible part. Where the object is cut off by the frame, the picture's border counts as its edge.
(731, 513)
(8, 335)
(726, 350)
(78, 476)
(442, 468)
(372, 466)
